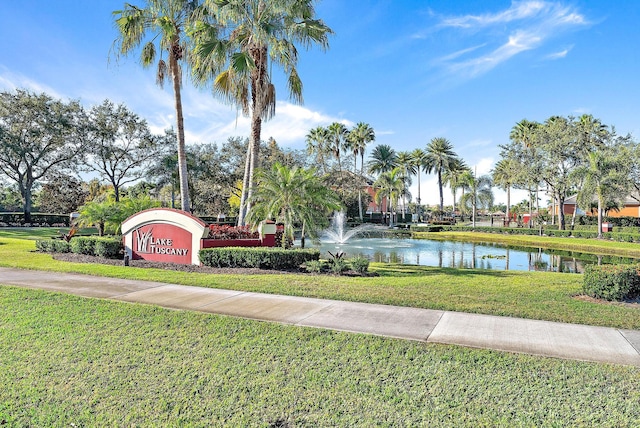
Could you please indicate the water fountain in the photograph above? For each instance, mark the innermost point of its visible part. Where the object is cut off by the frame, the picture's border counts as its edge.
(339, 233)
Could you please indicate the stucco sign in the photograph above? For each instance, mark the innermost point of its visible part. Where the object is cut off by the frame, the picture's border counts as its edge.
(164, 235)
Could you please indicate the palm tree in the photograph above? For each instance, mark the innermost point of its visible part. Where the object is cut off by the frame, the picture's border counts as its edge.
(383, 159)
(505, 175)
(606, 178)
(358, 138)
(453, 177)
(337, 134)
(292, 195)
(406, 164)
(419, 159)
(391, 185)
(258, 35)
(440, 155)
(164, 21)
(478, 192)
(317, 140)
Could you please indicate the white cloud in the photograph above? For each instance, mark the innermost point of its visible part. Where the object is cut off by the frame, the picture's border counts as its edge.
(525, 26)
(559, 54)
(11, 81)
(517, 11)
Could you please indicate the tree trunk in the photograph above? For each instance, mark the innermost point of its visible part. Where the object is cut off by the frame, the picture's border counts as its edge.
(182, 157)
(561, 221)
(508, 206)
(440, 188)
(245, 187)
(256, 127)
(355, 174)
(419, 199)
(26, 196)
(599, 217)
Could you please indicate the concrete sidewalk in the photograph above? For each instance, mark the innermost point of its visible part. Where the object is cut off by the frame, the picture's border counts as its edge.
(551, 339)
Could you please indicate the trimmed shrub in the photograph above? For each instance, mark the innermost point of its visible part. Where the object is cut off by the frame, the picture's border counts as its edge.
(360, 264)
(111, 248)
(53, 246)
(83, 245)
(611, 282)
(338, 265)
(257, 257)
(97, 246)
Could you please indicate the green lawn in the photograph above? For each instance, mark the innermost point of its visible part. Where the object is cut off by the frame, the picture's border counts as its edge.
(536, 295)
(70, 361)
(584, 245)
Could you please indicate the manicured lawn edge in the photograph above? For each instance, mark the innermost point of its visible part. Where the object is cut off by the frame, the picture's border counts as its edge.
(534, 295)
(583, 245)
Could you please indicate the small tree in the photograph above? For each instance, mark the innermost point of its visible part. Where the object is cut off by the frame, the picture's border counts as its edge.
(292, 196)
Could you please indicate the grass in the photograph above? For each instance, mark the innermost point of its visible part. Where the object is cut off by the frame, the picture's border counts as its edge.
(35, 233)
(584, 245)
(71, 361)
(534, 295)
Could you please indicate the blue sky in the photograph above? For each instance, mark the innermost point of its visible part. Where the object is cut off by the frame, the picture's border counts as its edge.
(414, 70)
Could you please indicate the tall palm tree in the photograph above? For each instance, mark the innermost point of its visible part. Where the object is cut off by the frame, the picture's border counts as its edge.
(406, 164)
(358, 138)
(292, 195)
(440, 155)
(505, 175)
(419, 159)
(258, 35)
(453, 177)
(337, 134)
(164, 22)
(391, 185)
(317, 140)
(478, 192)
(382, 159)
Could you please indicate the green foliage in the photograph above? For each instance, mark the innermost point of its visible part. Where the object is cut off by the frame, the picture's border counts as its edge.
(17, 219)
(257, 257)
(337, 263)
(360, 264)
(232, 372)
(612, 282)
(108, 215)
(97, 246)
(314, 266)
(53, 246)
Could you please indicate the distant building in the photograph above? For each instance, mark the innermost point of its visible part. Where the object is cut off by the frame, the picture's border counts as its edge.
(630, 207)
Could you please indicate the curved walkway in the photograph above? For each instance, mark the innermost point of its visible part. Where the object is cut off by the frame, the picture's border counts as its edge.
(551, 339)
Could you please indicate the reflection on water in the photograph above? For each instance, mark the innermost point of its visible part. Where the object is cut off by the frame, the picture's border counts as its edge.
(468, 255)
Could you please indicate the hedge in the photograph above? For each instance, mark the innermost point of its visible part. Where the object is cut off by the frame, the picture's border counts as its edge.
(257, 257)
(611, 282)
(97, 246)
(626, 234)
(53, 246)
(37, 219)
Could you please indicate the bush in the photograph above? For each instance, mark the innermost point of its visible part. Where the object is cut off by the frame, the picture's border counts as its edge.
(53, 246)
(97, 246)
(360, 264)
(611, 282)
(338, 266)
(83, 245)
(217, 231)
(257, 257)
(314, 266)
(111, 248)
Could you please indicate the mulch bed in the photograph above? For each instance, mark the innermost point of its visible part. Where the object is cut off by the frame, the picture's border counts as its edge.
(81, 258)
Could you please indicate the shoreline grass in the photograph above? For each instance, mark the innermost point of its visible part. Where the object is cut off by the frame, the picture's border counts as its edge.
(533, 295)
(583, 245)
(73, 361)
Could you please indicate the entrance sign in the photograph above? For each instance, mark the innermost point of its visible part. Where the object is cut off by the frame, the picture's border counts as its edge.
(164, 235)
